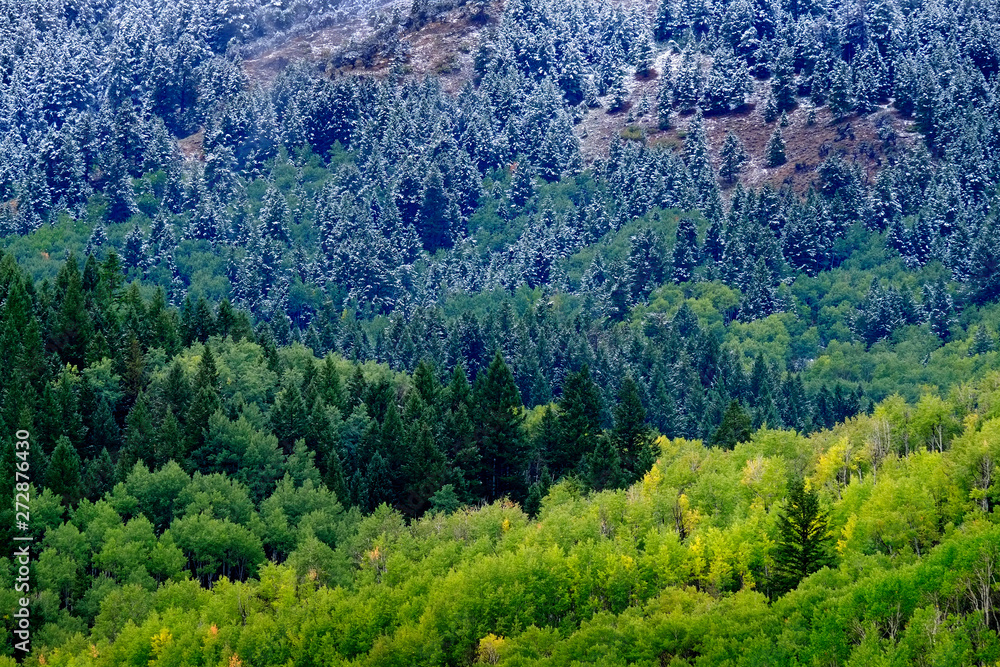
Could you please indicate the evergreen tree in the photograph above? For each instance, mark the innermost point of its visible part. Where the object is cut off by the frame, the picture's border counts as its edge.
(735, 427)
(498, 431)
(775, 151)
(275, 216)
(99, 477)
(685, 254)
(939, 309)
(665, 101)
(982, 341)
(631, 434)
(841, 97)
(434, 218)
(732, 156)
(63, 473)
(803, 542)
(602, 466)
(73, 328)
(580, 420)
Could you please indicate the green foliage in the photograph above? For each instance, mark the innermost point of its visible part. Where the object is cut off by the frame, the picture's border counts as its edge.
(803, 539)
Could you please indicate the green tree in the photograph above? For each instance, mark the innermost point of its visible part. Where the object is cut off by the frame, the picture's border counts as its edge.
(99, 477)
(499, 416)
(630, 434)
(73, 326)
(733, 156)
(602, 467)
(63, 473)
(775, 152)
(735, 427)
(580, 420)
(803, 542)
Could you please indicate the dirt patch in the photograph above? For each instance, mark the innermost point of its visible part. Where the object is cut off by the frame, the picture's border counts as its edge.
(192, 147)
(444, 48)
(863, 140)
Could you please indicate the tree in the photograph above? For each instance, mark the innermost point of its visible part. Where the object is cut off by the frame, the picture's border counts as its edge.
(775, 152)
(501, 444)
(802, 546)
(275, 215)
(99, 477)
(783, 80)
(733, 156)
(580, 420)
(735, 427)
(840, 99)
(73, 326)
(434, 217)
(685, 255)
(63, 473)
(631, 433)
(982, 341)
(939, 309)
(602, 467)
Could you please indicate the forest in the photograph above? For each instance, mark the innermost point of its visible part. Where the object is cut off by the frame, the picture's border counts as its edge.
(630, 334)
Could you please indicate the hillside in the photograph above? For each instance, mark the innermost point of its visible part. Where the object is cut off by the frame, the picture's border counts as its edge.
(543, 332)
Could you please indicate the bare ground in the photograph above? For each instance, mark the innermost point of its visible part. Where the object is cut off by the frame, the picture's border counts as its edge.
(445, 48)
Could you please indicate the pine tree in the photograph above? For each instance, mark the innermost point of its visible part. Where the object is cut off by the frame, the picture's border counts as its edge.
(840, 99)
(759, 297)
(289, 418)
(685, 254)
(498, 421)
(735, 427)
(643, 50)
(619, 96)
(939, 309)
(775, 152)
(580, 420)
(665, 101)
(982, 341)
(783, 81)
(99, 477)
(275, 215)
(169, 441)
(646, 266)
(301, 464)
(423, 469)
(668, 23)
(602, 466)
(73, 327)
(204, 402)
(63, 473)
(732, 156)
(631, 433)
(434, 219)
(139, 441)
(803, 542)
(134, 254)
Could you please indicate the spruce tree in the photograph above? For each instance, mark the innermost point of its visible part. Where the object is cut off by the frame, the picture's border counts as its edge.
(982, 341)
(602, 467)
(580, 420)
(735, 427)
(434, 220)
(685, 254)
(99, 476)
(733, 157)
(775, 152)
(631, 433)
(498, 419)
(841, 98)
(63, 473)
(803, 542)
